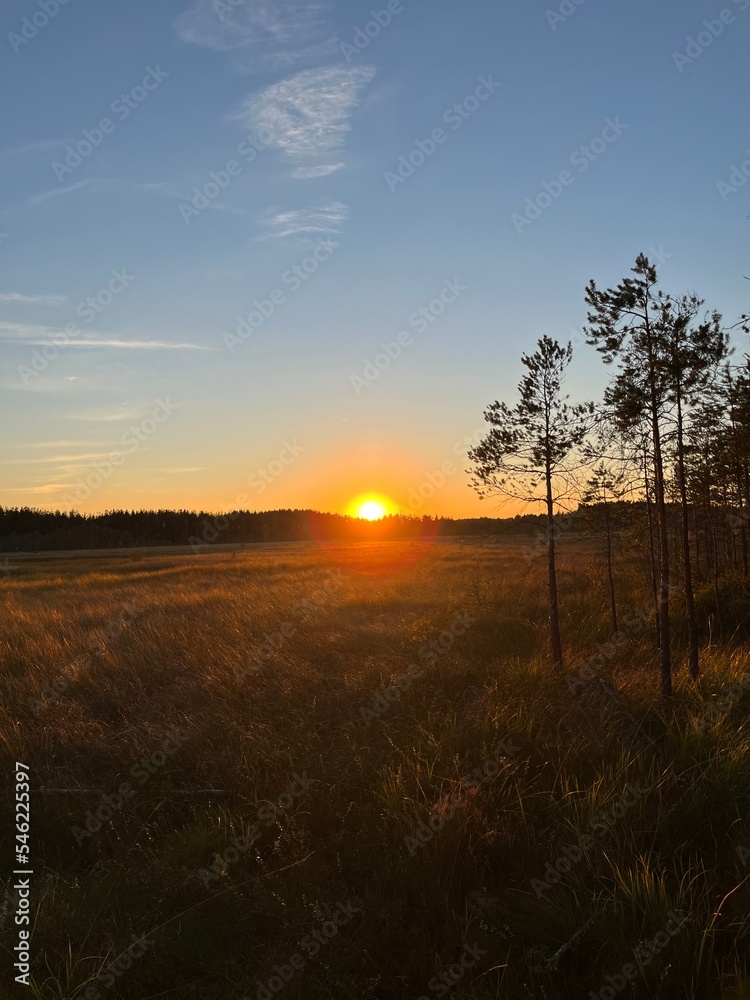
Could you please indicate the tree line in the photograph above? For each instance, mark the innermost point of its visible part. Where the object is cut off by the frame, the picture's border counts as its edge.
(672, 432)
(25, 529)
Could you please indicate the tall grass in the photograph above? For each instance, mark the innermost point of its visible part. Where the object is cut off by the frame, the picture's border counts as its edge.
(261, 663)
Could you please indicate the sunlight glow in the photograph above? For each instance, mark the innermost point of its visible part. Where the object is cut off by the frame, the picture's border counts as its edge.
(371, 510)
(370, 507)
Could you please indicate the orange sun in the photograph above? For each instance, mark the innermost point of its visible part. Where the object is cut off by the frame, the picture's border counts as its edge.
(370, 507)
(371, 510)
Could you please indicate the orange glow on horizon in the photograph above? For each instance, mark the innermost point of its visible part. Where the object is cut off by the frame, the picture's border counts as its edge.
(371, 507)
(371, 510)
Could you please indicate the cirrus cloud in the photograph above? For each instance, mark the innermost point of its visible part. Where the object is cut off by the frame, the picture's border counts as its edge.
(305, 224)
(275, 27)
(39, 336)
(307, 115)
(322, 170)
(41, 300)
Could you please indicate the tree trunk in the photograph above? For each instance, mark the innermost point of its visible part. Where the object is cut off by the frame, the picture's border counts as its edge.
(610, 575)
(665, 657)
(716, 581)
(697, 533)
(554, 613)
(693, 661)
(651, 550)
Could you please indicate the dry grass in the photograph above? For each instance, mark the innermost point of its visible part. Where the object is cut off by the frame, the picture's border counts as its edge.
(262, 662)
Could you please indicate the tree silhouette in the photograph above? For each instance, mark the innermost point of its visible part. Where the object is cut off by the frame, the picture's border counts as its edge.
(693, 355)
(527, 453)
(626, 325)
(606, 486)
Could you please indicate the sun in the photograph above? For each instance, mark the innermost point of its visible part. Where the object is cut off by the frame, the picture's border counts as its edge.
(370, 507)
(371, 510)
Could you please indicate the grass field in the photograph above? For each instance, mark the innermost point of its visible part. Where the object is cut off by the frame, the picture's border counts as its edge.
(350, 772)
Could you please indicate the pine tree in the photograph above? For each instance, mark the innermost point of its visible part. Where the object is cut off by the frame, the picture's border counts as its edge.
(528, 454)
(625, 324)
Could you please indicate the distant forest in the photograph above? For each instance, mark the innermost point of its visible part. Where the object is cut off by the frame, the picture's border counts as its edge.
(24, 529)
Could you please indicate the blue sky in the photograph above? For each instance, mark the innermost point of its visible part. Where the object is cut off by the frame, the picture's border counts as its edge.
(166, 168)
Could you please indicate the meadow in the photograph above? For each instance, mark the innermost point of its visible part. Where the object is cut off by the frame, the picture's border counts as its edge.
(350, 771)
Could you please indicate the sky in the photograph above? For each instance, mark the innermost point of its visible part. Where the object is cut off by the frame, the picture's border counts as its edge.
(265, 254)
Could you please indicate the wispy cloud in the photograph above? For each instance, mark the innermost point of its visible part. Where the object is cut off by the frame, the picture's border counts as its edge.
(135, 345)
(36, 336)
(307, 115)
(39, 199)
(22, 331)
(96, 184)
(308, 223)
(41, 300)
(41, 490)
(57, 459)
(41, 386)
(49, 488)
(105, 416)
(309, 173)
(56, 444)
(278, 31)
